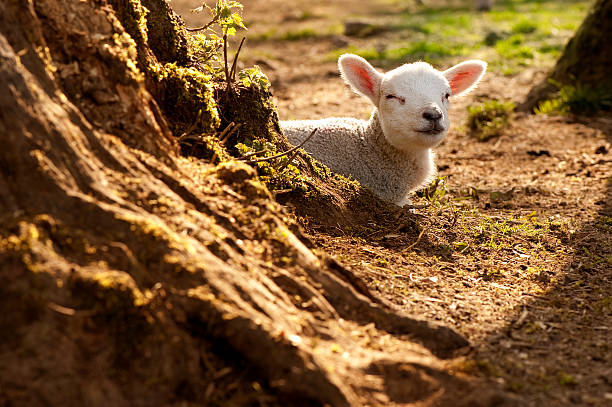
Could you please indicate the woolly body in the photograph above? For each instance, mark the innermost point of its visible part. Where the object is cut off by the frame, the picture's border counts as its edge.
(342, 144)
(391, 152)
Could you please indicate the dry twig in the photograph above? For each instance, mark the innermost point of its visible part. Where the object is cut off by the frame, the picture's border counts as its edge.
(418, 238)
(227, 76)
(225, 135)
(234, 64)
(283, 153)
(191, 128)
(203, 27)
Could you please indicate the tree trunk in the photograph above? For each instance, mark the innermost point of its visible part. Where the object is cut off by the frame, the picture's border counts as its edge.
(586, 59)
(131, 276)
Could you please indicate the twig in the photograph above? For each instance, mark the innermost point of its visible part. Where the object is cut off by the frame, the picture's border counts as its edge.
(223, 138)
(226, 130)
(418, 238)
(227, 76)
(215, 18)
(521, 318)
(282, 167)
(234, 64)
(61, 309)
(455, 217)
(283, 153)
(253, 153)
(192, 127)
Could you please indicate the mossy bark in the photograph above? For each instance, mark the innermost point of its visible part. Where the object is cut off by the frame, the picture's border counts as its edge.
(132, 276)
(586, 59)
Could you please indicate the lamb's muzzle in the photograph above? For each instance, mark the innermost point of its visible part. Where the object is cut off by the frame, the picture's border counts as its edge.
(391, 152)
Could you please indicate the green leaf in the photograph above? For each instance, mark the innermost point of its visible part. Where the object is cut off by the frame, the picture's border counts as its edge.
(254, 77)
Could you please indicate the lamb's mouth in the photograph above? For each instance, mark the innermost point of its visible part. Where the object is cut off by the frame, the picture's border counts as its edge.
(432, 130)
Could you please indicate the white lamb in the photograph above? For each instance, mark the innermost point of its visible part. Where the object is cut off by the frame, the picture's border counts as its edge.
(391, 152)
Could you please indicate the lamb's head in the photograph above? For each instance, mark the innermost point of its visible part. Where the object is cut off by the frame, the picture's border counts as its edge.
(412, 100)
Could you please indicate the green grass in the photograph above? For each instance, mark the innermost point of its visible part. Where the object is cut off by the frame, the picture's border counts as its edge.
(477, 231)
(488, 119)
(518, 33)
(297, 35)
(294, 34)
(576, 99)
(415, 51)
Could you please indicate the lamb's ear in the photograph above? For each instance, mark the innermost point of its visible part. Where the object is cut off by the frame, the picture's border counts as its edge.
(465, 76)
(361, 76)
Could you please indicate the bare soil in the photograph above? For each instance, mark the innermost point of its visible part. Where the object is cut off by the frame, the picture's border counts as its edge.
(535, 303)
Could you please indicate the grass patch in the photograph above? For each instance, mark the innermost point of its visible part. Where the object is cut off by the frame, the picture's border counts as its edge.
(487, 120)
(423, 50)
(524, 26)
(576, 99)
(292, 35)
(512, 36)
(298, 35)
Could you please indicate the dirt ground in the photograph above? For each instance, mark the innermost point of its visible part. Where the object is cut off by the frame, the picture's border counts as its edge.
(515, 254)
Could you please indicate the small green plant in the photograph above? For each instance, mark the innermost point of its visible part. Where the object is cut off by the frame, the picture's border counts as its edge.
(207, 45)
(436, 193)
(487, 120)
(254, 77)
(278, 174)
(576, 99)
(225, 15)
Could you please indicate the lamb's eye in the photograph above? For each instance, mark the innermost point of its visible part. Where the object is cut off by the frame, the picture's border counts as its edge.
(399, 99)
(447, 96)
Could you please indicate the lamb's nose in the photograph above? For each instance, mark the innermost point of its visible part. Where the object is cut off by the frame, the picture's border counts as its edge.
(433, 114)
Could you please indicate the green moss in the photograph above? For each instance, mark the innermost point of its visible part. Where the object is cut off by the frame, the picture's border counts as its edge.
(206, 147)
(133, 16)
(251, 108)
(278, 173)
(243, 178)
(198, 105)
(183, 93)
(167, 37)
(566, 379)
(190, 92)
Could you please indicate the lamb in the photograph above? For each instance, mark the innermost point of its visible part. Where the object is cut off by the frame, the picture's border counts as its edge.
(391, 153)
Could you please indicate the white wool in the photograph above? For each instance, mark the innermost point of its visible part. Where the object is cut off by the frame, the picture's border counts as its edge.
(391, 153)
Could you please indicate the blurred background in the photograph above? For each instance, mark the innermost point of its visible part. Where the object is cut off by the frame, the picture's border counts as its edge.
(297, 43)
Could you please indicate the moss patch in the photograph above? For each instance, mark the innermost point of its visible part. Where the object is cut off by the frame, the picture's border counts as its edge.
(190, 93)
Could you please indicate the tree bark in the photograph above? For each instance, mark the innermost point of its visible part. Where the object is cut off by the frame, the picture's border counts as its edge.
(131, 276)
(586, 59)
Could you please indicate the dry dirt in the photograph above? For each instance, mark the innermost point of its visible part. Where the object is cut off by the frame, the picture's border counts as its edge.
(535, 304)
